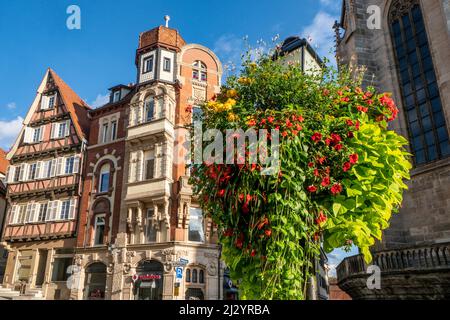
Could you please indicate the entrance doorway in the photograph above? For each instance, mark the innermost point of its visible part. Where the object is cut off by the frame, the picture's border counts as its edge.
(40, 276)
(149, 282)
(95, 283)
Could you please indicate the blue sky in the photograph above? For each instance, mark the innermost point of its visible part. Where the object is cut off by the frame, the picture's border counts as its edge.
(34, 36)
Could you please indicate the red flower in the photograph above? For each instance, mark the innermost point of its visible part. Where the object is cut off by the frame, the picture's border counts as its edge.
(362, 109)
(245, 208)
(263, 121)
(263, 223)
(354, 158)
(326, 92)
(300, 119)
(336, 189)
(327, 141)
(326, 182)
(346, 166)
(284, 134)
(321, 219)
(358, 90)
(270, 119)
(310, 164)
(268, 233)
(288, 123)
(228, 233)
(316, 137)
(239, 243)
(253, 253)
(336, 138)
(251, 123)
(340, 93)
(338, 147)
(357, 125)
(350, 134)
(294, 132)
(369, 102)
(312, 189)
(322, 160)
(316, 172)
(345, 99)
(221, 193)
(349, 123)
(299, 127)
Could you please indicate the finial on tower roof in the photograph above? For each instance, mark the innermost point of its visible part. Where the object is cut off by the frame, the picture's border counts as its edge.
(167, 19)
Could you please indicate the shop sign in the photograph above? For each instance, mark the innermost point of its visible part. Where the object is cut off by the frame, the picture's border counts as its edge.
(184, 262)
(147, 277)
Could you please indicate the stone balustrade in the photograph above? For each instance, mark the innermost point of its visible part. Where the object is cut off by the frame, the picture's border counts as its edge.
(434, 257)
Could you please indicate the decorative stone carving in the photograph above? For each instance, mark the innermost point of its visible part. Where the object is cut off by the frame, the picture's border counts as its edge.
(401, 7)
(79, 260)
(110, 269)
(211, 268)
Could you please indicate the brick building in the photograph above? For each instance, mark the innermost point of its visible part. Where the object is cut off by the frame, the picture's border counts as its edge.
(408, 56)
(100, 202)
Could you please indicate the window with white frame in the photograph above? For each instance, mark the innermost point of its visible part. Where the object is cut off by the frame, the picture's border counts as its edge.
(43, 207)
(148, 64)
(113, 130)
(99, 230)
(116, 96)
(34, 135)
(199, 71)
(196, 227)
(167, 64)
(60, 129)
(105, 132)
(48, 101)
(104, 178)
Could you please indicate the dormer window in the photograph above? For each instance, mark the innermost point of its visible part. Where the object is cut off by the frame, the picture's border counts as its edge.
(199, 71)
(148, 64)
(116, 96)
(48, 101)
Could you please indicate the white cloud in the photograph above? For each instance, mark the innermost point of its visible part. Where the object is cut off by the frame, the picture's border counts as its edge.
(9, 131)
(229, 49)
(101, 100)
(336, 257)
(322, 34)
(11, 105)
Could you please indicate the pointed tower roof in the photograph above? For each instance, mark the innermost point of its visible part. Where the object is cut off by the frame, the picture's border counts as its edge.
(75, 105)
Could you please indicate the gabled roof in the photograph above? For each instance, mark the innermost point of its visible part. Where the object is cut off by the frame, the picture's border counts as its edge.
(77, 108)
(3, 162)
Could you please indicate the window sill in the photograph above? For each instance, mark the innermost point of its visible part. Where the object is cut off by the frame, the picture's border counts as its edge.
(426, 167)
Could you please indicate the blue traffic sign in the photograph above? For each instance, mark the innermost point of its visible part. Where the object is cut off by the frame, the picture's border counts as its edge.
(179, 272)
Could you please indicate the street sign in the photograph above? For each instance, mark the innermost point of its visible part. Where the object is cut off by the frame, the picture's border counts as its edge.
(179, 272)
(184, 262)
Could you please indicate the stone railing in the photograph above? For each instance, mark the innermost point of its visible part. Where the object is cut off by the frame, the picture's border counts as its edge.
(415, 258)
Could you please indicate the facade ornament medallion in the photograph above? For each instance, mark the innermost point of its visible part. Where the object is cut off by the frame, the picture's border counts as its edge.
(211, 268)
(79, 260)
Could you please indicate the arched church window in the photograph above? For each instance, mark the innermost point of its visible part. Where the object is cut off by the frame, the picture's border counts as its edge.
(419, 89)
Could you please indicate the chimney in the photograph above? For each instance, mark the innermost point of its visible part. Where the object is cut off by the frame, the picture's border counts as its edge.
(167, 19)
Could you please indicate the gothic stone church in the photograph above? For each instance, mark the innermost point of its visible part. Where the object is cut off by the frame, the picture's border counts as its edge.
(408, 56)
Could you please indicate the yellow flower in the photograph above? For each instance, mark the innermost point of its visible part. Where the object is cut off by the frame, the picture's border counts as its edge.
(232, 102)
(231, 93)
(232, 117)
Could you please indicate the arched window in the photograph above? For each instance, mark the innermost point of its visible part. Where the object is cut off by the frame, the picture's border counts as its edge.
(201, 276)
(95, 281)
(199, 71)
(105, 173)
(188, 275)
(419, 89)
(149, 109)
(194, 276)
